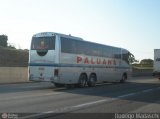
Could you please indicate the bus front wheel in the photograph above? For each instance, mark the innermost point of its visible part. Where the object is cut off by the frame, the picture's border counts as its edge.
(124, 78)
(58, 85)
(82, 80)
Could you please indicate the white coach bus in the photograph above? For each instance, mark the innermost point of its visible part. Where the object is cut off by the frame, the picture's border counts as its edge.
(66, 60)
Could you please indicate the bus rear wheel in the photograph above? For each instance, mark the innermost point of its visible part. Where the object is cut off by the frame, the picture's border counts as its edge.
(92, 80)
(124, 78)
(58, 85)
(82, 80)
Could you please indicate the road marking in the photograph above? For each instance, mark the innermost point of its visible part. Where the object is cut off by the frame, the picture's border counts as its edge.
(126, 95)
(104, 100)
(71, 108)
(148, 90)
(49, 112)
(113, 99)
(91, 103)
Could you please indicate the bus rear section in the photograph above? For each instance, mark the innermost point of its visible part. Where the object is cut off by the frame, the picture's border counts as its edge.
(156, 64)
(42, 60)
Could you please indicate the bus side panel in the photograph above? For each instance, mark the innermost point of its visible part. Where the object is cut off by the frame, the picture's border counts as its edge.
(69, 75)
(72, 68)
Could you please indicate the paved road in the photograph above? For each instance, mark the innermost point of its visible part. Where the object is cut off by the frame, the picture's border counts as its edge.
(138, 95)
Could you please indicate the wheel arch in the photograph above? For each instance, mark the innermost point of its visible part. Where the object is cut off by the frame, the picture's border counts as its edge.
(84, 73)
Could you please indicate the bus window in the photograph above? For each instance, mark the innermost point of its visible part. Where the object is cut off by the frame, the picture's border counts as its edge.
(43, 43)
(125, 56)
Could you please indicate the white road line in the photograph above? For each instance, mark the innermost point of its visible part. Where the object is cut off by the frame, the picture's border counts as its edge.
(104, 100)
(148, 90)
(65, 109)
(126, 95)
(49, 112)
(91, 103)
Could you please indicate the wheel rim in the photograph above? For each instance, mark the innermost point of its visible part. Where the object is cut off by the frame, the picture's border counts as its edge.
(92, 81)
(123, 79)
(83, 81)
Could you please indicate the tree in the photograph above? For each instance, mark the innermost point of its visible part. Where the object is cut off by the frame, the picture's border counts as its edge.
(132, 58)
(146, 61)
(3, 40)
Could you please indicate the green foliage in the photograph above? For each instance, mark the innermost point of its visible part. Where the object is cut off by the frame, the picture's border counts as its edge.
(132, 58)
(144, 64)
(3, 40)
(10, 57)
(147, 61)
(11, 46)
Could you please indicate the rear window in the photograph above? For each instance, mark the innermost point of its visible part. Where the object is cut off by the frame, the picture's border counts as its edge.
(43, 43)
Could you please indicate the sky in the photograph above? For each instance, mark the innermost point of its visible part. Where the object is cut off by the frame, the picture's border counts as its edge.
(130, 24)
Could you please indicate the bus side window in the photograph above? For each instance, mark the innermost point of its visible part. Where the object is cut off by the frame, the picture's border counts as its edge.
(66, 45)
(125, 56)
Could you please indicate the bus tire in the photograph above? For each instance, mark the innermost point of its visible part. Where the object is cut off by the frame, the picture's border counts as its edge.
(69, 86)
(124, 78)
(58, 85)
(82, 80)
(92, 80)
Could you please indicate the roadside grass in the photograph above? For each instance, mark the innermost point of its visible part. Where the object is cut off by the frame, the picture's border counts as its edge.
(143, 66)
(151, 68)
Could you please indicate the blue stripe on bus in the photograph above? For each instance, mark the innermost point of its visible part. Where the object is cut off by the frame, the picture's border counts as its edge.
(75, 65)
(43, 64)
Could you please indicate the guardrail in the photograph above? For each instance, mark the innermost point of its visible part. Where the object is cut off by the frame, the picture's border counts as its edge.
(20, 74)
(13, 74)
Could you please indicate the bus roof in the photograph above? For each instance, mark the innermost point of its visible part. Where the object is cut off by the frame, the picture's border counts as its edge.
(43, 34)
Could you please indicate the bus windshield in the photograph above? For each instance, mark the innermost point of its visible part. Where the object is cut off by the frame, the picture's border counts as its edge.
(43, 43)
